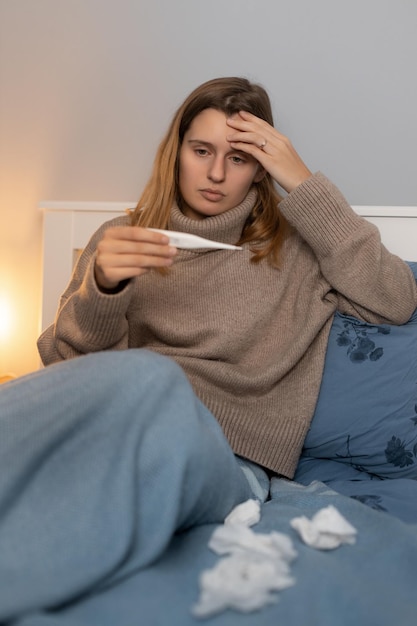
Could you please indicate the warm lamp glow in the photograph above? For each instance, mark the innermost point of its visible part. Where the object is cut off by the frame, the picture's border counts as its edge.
(5, 318)
(6, 327)
(18, 324)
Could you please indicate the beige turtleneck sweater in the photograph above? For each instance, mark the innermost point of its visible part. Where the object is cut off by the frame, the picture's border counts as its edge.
(251, 338)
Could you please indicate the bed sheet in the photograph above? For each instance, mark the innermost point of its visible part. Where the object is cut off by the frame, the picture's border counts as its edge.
(371, 582)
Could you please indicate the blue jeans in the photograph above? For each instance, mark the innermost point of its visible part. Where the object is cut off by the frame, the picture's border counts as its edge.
(102, 459)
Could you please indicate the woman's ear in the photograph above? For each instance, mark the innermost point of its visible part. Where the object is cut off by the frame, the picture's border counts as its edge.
(260, 174)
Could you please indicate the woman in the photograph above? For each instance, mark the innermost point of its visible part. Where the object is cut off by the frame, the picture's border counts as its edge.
(249, 327)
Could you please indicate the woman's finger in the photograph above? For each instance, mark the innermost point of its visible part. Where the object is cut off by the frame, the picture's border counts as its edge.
(127, 252)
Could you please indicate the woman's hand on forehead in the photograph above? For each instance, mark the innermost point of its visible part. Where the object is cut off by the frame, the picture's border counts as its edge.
(273, 150)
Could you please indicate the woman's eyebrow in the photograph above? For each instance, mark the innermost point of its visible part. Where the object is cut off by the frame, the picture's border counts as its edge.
(201, 141)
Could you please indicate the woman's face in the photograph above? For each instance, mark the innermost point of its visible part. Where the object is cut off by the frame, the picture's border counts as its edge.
(213, 177)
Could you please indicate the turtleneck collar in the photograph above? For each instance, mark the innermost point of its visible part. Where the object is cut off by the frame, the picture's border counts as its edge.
(226, 227)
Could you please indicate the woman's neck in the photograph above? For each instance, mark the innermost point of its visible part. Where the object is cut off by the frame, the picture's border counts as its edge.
(226, 227)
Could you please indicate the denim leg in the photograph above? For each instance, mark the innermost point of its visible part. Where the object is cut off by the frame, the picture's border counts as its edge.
(102, 459)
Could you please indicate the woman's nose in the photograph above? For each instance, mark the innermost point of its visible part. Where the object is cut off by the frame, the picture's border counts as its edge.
(217, 170)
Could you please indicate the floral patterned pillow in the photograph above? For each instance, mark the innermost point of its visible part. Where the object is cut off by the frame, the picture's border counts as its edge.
(366, 414)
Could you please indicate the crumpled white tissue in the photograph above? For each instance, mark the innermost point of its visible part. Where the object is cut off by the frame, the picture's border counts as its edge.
(248, 513)
(238, 539)
(256, 565)
(326, 530)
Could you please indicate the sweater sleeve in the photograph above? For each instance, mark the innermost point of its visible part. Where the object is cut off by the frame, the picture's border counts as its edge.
(87, 319)
(368, 281)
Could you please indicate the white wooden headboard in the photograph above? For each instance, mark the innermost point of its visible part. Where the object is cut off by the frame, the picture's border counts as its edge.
(69, 225)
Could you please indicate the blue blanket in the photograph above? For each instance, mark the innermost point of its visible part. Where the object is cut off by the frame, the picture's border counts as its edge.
(113, 477)
(371, 582)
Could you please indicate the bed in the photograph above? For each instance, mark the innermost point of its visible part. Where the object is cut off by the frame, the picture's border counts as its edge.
(359, 458)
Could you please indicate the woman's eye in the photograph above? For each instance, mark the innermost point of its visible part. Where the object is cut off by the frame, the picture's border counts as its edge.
(201, 151)
(237, 160)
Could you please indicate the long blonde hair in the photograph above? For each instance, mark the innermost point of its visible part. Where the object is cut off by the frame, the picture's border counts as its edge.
(265, 226)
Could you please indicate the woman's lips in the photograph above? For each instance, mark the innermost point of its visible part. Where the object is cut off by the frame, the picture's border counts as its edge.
(212, 194)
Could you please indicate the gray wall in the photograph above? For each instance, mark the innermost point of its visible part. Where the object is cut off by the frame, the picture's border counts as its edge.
(97, 81)
(87, 87)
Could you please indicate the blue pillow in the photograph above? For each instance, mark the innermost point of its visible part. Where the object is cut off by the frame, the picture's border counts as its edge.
(366, 414)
